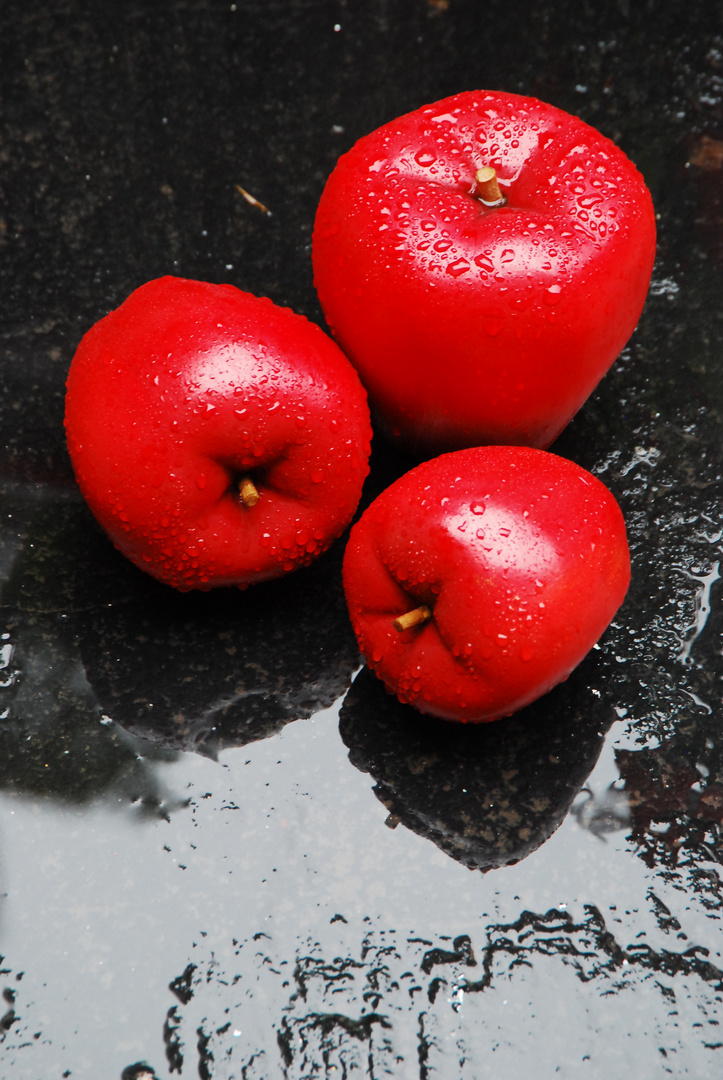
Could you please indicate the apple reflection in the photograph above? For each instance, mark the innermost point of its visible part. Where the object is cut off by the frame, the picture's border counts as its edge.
(89, 639)
(208, 671)
(487, 794)
(53, 741)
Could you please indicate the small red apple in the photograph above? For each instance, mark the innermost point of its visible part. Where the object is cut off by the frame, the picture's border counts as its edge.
(218, 438)
(479, 580)
(482, 261)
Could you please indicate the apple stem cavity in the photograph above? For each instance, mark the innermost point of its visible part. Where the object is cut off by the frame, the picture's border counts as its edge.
(486, 187)
(417, 617)
(248, 491)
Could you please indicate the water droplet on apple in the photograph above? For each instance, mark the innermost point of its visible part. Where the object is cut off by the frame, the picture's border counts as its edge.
(425, 158)
(588, 201)
(478, 508)
(526, 653)
(317, 476)
(552, 295)
(458, 267)
(484, 263)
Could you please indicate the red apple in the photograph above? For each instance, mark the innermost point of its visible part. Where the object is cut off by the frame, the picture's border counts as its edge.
(218, 439)
(473, 321)
(480, 579)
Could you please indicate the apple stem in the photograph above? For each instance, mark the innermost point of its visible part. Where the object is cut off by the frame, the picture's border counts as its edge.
(416, 617)
(248, 491)
(486, 188)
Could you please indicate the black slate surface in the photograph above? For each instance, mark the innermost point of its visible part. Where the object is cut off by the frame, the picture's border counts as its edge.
(243, 911)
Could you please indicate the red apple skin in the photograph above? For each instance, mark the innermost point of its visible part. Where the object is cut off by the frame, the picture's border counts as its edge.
(521, 556)
(185, 388)
(471, 325)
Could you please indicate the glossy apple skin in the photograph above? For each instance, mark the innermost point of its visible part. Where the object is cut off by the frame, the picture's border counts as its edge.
(521, 556)
(184, 389)
(471, 325)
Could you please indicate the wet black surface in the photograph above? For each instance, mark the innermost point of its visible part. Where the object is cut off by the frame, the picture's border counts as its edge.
(196, 871)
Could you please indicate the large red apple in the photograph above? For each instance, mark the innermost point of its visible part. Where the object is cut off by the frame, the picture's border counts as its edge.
(474, 319)
(480, 579)
(218, 439)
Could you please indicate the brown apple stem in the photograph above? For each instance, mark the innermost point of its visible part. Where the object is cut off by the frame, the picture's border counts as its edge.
(248, 491)
(486, 188)
(416, 617)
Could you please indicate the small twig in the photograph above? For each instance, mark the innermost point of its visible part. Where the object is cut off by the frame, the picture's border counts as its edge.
(252, 201)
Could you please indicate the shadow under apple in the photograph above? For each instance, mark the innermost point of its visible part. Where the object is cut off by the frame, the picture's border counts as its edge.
(488, 795)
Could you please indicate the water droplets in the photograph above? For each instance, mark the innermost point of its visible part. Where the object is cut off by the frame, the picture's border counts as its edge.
(587, 202)
(458, 267)
(484, 262)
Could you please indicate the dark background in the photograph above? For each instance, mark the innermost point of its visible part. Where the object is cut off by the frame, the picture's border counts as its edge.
(125, 129)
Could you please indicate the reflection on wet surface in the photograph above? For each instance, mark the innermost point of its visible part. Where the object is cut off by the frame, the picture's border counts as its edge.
(404, 956)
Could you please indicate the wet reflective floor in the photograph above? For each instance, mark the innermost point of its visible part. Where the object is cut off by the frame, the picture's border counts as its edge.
(225, 852)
